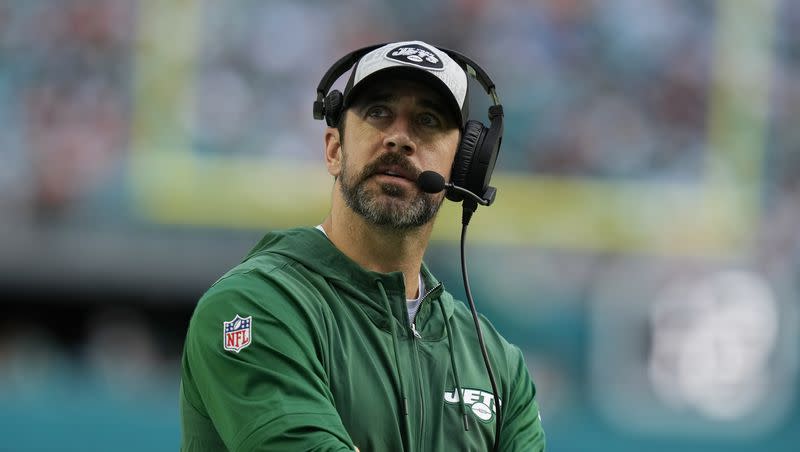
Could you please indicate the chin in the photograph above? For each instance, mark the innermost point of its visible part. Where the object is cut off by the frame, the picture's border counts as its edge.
(394, 191)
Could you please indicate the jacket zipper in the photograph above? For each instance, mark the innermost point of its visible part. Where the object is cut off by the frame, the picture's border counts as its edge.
(414, 340)
(415, 337)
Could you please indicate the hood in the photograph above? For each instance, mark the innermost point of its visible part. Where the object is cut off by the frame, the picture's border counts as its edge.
(311, 248)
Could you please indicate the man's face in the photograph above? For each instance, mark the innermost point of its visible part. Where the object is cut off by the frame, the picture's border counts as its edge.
(394, 131)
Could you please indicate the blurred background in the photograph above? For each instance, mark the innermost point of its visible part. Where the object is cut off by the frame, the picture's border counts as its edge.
(644, 249)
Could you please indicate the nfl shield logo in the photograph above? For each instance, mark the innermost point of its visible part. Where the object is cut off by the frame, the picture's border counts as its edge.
(236, 333)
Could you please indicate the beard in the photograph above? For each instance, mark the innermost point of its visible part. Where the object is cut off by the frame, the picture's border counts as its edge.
(388, 207)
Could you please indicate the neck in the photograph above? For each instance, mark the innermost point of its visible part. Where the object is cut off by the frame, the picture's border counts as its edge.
(378, 248)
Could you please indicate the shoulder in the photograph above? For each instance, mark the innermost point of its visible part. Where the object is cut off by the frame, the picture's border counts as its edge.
(268, 288)
(255, 310)
(261, 277)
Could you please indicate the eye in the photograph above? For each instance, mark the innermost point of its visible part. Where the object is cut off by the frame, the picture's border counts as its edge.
(378, 111)
(429, 120)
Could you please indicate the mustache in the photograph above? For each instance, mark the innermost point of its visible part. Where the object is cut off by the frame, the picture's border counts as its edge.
(391, 159)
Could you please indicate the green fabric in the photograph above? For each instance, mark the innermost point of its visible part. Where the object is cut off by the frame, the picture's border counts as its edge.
(320, 372)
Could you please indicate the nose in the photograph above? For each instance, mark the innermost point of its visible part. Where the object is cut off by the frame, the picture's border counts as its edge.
(398, 137)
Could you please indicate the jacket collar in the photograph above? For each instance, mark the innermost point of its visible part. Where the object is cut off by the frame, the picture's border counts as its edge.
(311, 248)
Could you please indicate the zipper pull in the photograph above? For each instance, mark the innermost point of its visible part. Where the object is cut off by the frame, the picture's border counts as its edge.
(414, 330)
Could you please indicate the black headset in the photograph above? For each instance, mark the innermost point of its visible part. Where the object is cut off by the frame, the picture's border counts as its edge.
(477, 152)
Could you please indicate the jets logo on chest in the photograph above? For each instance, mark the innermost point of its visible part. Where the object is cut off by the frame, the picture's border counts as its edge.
(481, 403)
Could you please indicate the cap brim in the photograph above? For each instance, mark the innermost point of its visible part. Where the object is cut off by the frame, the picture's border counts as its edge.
(458, 113)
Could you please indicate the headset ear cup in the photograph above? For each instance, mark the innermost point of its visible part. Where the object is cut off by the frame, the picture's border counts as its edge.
(333, 107)
(470, 140)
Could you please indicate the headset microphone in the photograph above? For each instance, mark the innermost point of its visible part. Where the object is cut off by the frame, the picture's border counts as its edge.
(433, 182)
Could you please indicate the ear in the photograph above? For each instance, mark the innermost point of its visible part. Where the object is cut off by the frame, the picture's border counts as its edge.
(333, 151)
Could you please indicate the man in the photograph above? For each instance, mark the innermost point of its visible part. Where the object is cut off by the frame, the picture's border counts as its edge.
(338, 338)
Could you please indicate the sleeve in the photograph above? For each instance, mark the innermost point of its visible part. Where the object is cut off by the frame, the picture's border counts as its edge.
(271, 394)
(522, 424)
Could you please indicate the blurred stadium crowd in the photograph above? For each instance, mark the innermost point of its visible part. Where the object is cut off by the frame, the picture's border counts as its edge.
(68, 69)
(627, 348)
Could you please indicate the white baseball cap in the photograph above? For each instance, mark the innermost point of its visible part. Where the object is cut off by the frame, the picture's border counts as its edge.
(416, 59)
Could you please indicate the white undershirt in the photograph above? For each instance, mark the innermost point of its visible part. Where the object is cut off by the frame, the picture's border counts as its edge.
(412, 304)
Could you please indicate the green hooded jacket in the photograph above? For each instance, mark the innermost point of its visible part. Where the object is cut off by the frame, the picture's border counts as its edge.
(299, 348)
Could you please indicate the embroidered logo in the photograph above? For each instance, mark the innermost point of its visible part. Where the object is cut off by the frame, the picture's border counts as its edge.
(480, 402)
(416, 55)
(237, 334)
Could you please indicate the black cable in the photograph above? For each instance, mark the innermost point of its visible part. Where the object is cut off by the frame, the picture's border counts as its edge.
(465, 218)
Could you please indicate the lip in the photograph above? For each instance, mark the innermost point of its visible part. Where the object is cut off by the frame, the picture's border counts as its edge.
(393, 178)
(395, 171)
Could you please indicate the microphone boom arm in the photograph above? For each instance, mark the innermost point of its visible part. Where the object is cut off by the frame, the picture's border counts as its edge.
(433, 182)
(487, 200)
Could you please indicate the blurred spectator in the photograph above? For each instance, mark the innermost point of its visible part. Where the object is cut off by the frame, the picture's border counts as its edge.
(122, 354)
(74, 92)
(30, 359)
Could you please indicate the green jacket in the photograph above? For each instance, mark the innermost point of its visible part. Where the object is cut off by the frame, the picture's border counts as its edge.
(299, 348)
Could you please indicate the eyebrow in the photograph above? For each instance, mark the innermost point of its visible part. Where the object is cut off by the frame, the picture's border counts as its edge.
(389, 97)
